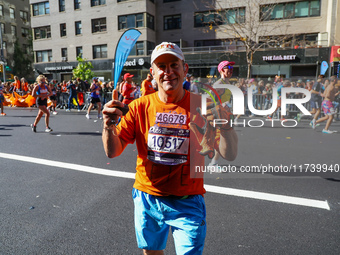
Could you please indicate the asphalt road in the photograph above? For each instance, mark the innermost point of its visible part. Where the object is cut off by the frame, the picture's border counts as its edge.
(53, 207)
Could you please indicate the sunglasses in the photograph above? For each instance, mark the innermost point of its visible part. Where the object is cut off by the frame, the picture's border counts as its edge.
(228, 67)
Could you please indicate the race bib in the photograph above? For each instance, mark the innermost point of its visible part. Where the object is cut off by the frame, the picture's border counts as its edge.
(170, 118)
(168, 146)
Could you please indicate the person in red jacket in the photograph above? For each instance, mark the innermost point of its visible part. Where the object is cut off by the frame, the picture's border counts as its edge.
(128, 90)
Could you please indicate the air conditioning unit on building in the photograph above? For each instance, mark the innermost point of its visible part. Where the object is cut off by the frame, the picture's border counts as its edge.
(64, 59)
(323, 39)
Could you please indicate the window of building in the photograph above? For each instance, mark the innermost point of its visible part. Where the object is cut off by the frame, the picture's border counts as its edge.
(24, 32)
(61, 5)
(290, 10)
(139, 20)
(140, 48)
(278, 11)
(13, 30)
(77, 4)
(1, 10)
(98, 25)
(62, 29)
(302, 9)
(172, 22)
(306, 40)
(236, 15)
(42, 32)
(44, 56)
(24, 16)
(227, 16)
(149, 47)
(4, 45)
(203, 19)
(97, 2)
(150, 21)
(12, 13)
(131, 21)
(79, 51)
(78, 27)
(314, 9)
(63, 54)
(100, 51)
(42, 8)
(300, 40)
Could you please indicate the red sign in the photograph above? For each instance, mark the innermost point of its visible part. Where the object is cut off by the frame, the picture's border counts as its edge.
(335, 54)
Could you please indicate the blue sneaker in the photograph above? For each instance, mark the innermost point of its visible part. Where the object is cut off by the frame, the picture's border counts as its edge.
(327, 131)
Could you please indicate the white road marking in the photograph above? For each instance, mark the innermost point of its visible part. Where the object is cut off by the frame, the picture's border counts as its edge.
(210, 188)
(268, 197)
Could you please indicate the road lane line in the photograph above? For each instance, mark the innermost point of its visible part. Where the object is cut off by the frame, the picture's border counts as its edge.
(210, 188)
(268, 197)
(81, 168)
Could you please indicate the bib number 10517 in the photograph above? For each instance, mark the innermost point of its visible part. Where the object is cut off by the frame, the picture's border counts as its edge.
(162, 143)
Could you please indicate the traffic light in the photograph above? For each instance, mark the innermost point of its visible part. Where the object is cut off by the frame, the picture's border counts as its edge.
(1, 69)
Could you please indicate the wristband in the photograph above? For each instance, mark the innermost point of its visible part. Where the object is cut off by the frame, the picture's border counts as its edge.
(113, 128)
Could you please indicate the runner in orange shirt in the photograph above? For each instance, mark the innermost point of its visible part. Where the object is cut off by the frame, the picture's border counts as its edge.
(17, 84)
(167, 191)
(24, 85)
(147, 86)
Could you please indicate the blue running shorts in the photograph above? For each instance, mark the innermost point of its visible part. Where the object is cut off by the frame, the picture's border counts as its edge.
(154, 216)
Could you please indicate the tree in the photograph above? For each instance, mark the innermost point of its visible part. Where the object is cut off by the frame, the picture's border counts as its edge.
(249, 25)
(22, 66)
(83, 70)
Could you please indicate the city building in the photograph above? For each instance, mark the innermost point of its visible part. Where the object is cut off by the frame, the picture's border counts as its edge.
(295, 36)
(15, 25)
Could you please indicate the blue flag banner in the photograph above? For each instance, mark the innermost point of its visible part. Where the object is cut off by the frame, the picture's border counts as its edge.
(124, 46)
(324, 67)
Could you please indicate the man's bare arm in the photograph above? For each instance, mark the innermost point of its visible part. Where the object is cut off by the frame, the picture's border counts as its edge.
(113, 144)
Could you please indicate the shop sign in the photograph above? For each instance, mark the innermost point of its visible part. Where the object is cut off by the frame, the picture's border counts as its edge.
(58, 68)
(134, 62)
(279, 58)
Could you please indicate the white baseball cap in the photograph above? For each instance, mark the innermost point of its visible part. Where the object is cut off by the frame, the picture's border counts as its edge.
(166, 48)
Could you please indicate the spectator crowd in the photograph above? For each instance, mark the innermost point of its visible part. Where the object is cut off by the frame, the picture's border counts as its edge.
(78, 92)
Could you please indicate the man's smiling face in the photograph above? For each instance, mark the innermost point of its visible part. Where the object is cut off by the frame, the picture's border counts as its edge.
(169, 72)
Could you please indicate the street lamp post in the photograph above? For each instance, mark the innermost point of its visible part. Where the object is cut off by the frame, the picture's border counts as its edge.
(2, 58)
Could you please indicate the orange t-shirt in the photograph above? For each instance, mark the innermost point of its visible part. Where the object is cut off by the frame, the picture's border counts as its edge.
(25, 86)
(17, 85)
(147, 88)
(162, 136)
